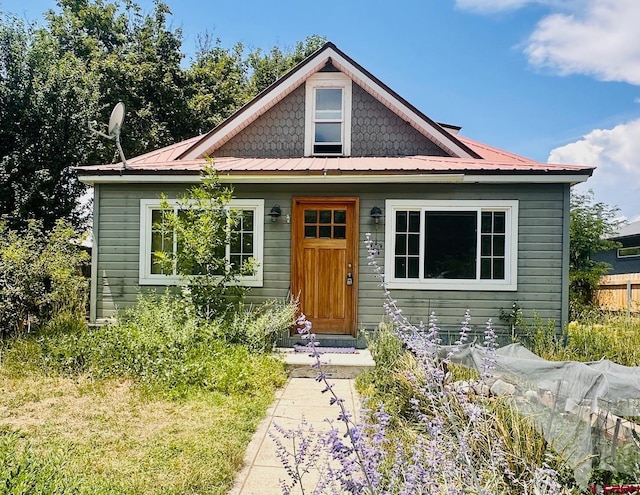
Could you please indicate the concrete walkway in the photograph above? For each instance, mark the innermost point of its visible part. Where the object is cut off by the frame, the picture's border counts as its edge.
(300, 397)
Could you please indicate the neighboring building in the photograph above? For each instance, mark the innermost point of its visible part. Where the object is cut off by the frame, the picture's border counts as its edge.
(462, 225)
(626, 258)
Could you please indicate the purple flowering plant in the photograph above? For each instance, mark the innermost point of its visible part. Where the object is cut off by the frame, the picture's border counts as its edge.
(444, 442)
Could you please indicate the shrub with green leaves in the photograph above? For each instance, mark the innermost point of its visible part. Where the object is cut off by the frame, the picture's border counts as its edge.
(40, 275)
(257, 328)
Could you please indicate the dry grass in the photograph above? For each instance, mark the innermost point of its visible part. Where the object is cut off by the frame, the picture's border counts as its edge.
(116, 440)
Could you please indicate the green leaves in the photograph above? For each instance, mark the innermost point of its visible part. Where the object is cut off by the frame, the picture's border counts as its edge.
(88, 55)
(40, 275)
(203, 226)
(592, 225)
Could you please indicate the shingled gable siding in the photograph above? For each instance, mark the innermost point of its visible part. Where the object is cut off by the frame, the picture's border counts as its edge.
(279, 133)
(539, 259)
(377, 131)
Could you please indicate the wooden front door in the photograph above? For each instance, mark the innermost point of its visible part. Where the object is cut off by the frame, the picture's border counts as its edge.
(325, 263)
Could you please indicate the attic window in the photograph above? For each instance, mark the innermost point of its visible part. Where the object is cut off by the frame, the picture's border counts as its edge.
(328, 115)
(328, 121)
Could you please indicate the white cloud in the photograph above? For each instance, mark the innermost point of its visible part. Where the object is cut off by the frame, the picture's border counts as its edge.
(615, 152)
(593, 37)
(599, 39)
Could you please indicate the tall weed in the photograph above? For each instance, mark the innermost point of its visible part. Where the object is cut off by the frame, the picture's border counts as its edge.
(610, 336)
(162, 344)
(258, 328)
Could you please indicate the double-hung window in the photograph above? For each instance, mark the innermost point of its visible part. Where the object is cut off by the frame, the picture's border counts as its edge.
(451, 245)
(328, 114)
(246, 242)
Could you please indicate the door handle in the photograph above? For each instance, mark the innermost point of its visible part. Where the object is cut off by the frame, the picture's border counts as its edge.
(349, 279)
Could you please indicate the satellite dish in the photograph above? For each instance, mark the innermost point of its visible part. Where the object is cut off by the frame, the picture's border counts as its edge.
(116, 119)
(115, 125)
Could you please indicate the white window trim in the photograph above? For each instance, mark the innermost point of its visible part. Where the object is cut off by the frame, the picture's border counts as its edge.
(327, 80)
(627, 256)
(147, 278)
(510, 283)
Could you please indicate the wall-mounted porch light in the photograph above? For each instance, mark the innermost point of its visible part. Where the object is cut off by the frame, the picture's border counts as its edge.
(376, 213)
(275, 213)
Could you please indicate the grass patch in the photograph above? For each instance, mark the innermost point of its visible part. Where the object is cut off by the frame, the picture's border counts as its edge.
(159, 403)
(108, 437)
(615, 337)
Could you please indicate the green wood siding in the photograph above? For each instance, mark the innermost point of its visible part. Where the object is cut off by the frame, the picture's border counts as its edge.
(542, 247)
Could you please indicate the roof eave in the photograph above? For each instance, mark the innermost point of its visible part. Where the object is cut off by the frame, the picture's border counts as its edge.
(327, 176)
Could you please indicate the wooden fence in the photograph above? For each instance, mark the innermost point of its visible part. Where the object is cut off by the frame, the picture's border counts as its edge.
(619, 292)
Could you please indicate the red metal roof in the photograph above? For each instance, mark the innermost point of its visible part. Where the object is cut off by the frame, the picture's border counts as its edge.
(159, 162)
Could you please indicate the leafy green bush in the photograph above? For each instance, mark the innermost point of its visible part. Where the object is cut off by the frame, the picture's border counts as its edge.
(590, 229)
(40, 275)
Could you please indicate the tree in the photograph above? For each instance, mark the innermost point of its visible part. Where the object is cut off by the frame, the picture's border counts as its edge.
(45, 100)
(134, 58)
(218, 82)
(87, 56)
(268, 67)
(40, 276)
(203, 225)
(591, 227)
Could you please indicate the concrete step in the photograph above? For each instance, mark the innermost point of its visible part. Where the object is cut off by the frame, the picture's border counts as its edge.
(337, 365)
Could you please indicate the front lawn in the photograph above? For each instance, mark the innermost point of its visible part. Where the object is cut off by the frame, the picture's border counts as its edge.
(156, 404)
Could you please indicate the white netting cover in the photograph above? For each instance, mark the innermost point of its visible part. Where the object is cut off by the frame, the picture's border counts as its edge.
(588, 412)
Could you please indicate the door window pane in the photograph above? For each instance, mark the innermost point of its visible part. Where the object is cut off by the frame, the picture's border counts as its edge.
(325, 224)
(325, 216)
(310, 216)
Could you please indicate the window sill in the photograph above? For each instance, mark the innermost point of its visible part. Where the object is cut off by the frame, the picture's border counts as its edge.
(454, 285)
(168, 281)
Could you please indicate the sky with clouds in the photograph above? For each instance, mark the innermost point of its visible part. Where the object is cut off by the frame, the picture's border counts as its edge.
(555, 80)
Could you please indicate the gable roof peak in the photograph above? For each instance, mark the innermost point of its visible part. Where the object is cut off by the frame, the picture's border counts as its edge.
(328, 58)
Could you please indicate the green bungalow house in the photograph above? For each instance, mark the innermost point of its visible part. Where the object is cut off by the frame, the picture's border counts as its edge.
(323, 156)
